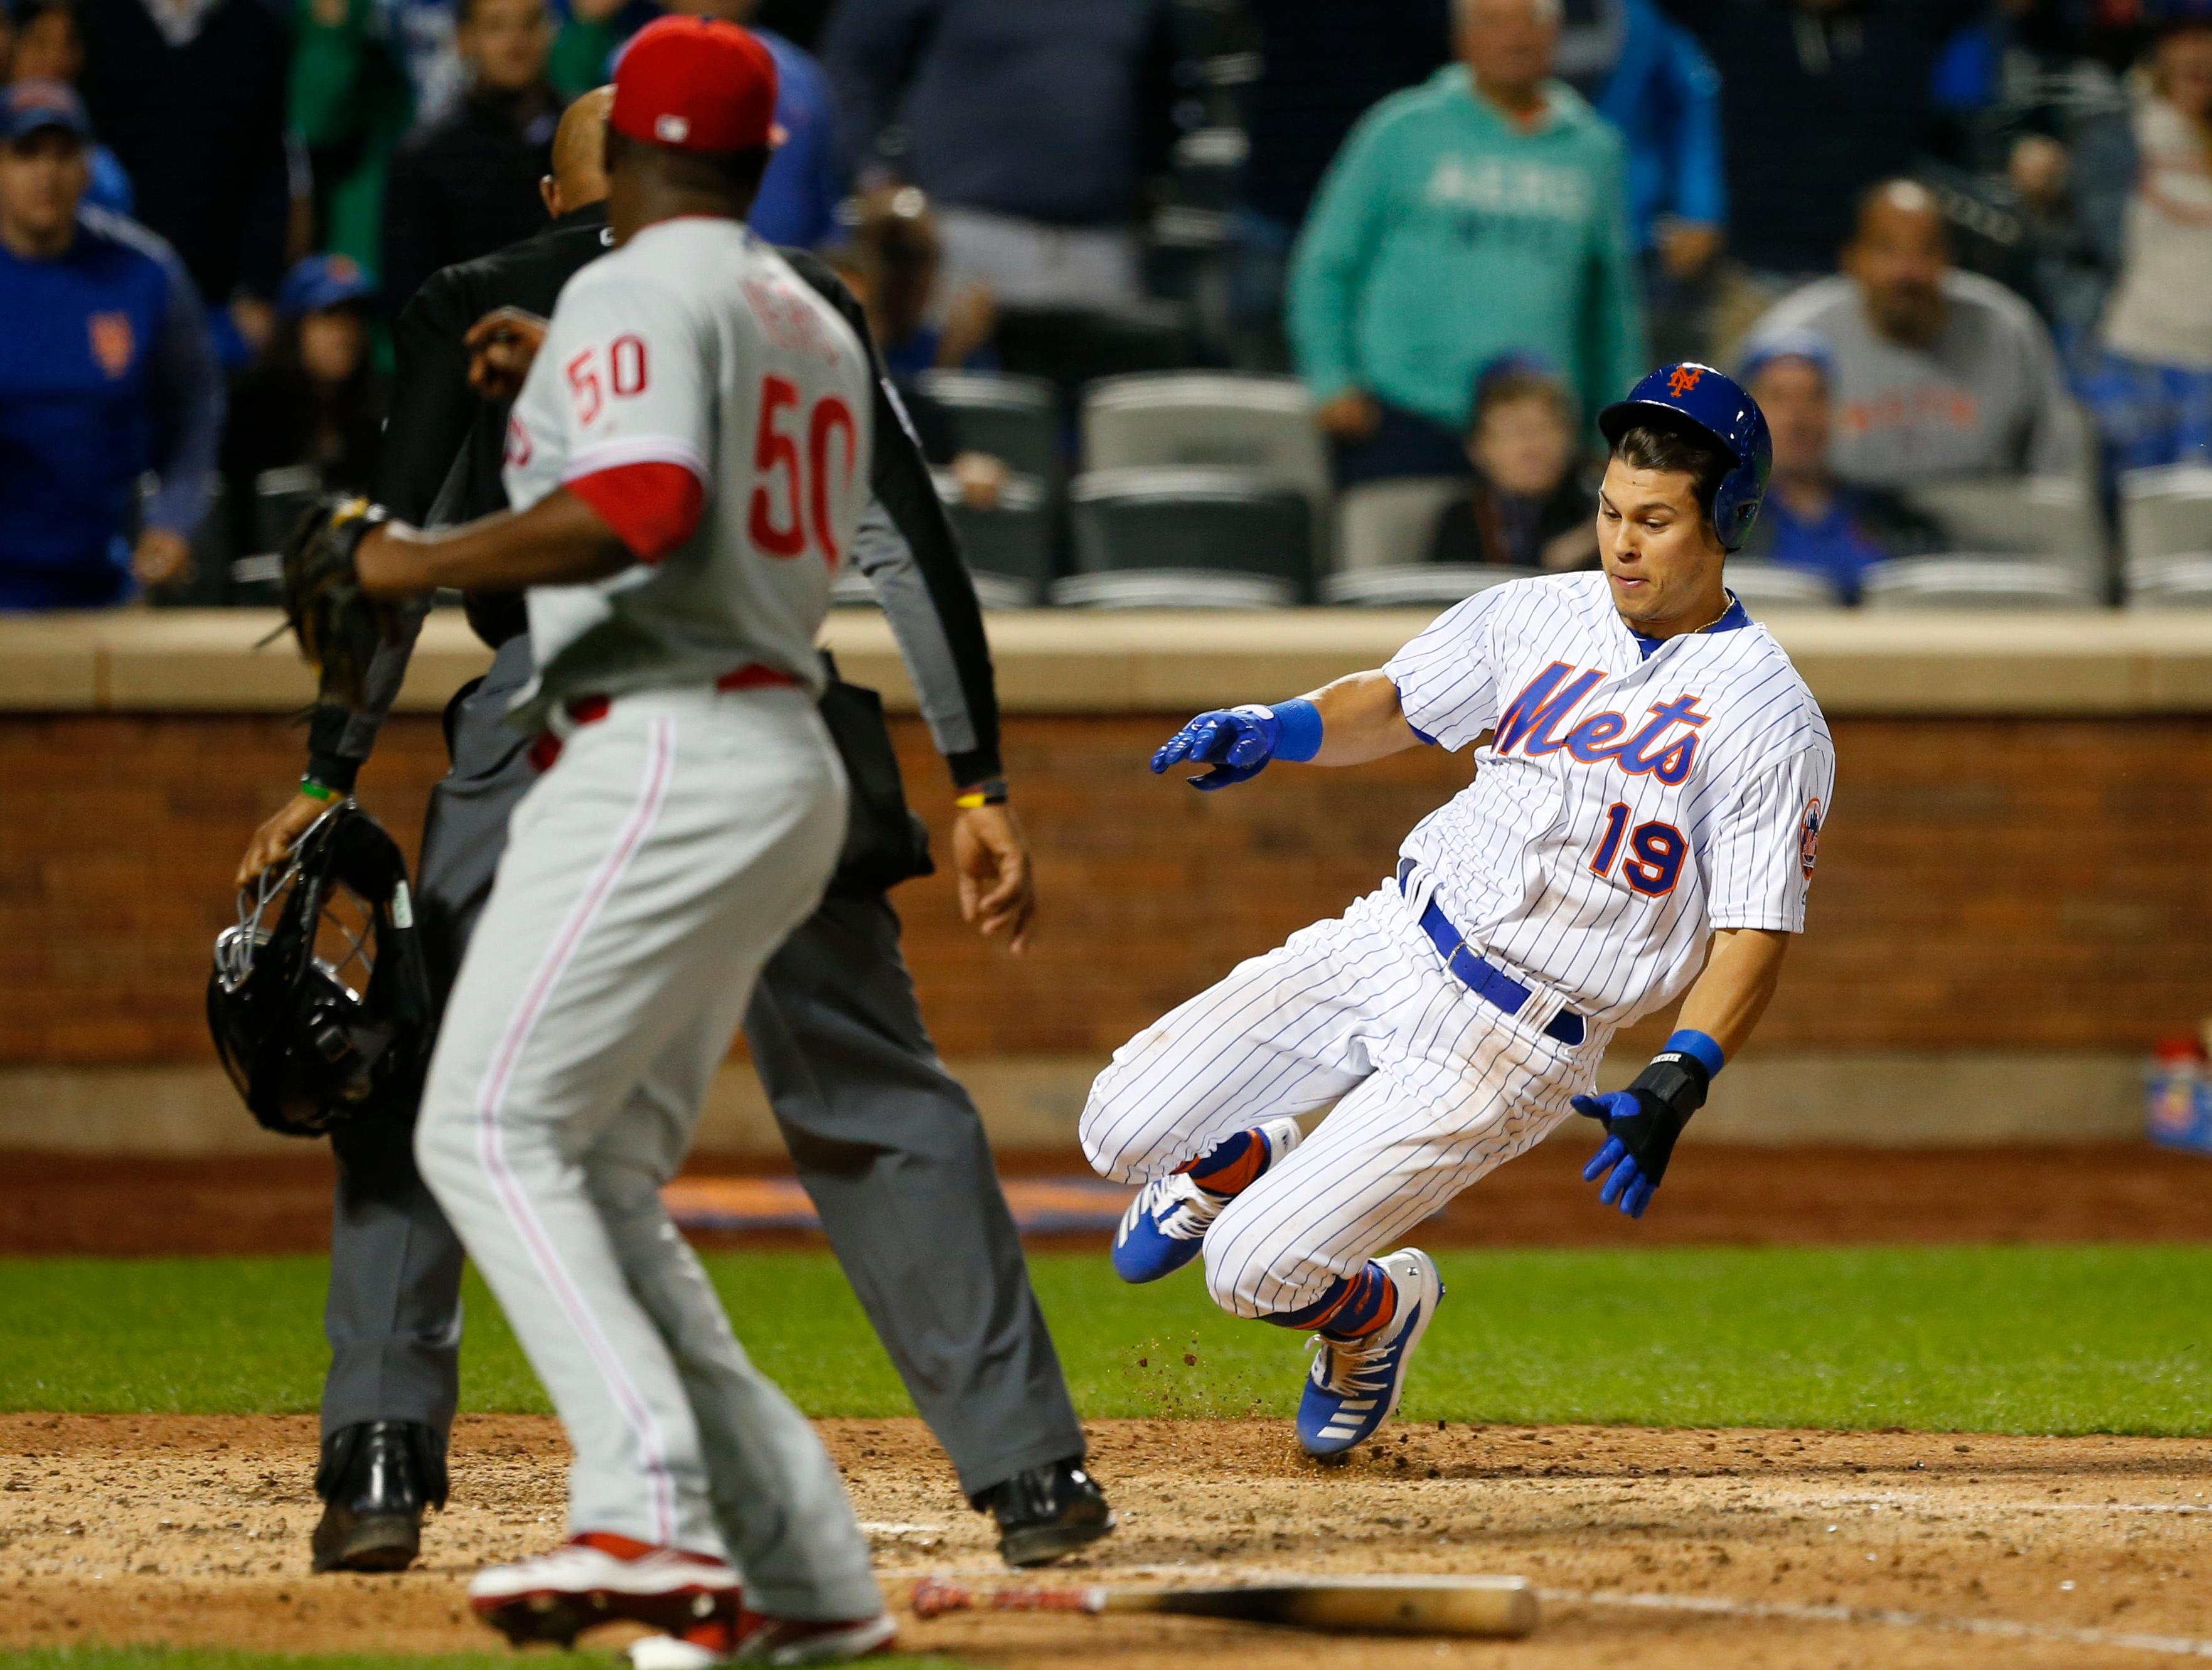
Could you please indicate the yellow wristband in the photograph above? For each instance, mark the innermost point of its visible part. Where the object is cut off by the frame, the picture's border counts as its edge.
(992, 791)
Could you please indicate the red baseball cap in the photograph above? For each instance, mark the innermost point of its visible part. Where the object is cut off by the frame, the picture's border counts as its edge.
(695, 84)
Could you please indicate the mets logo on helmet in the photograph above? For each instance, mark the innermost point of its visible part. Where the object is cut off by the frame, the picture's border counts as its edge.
(114, 343)
(1686, 378)
(1808, 838)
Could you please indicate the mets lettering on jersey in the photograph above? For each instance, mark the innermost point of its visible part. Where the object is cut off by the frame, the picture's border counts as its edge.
(1633, 796)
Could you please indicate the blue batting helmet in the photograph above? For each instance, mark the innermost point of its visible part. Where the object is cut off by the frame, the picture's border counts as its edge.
(1718, 406)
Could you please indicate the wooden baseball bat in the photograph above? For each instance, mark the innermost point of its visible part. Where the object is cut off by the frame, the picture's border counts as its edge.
(1489, 1607)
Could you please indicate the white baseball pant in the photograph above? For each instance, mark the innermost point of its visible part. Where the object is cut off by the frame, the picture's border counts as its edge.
(1434, 1087)
(647, 877)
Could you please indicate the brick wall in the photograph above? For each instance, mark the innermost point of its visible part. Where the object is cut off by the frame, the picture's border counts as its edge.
(1986, 883)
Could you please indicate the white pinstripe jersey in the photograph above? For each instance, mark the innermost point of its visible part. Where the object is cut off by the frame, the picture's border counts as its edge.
(695, 345)
(1635, 797)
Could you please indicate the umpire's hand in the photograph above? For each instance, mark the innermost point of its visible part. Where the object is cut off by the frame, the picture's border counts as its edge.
(991, 864)
(274, 839)
(502, 346)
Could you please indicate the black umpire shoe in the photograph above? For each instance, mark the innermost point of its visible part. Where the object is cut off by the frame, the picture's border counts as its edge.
(1047, 1512)
(376, 1480)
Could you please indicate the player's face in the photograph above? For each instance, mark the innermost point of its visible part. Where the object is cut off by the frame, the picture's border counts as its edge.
(1661, 556)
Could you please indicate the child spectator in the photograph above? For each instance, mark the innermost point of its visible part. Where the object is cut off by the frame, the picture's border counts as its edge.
(50, 47)
(1811, 520)
(1530, 506)
(312, 397)
(2153, 392)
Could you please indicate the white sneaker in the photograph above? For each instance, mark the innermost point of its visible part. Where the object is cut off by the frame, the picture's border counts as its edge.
(597, 1578)
(1166, 1224)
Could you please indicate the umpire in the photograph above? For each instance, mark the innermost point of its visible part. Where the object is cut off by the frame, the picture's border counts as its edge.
(883, 1138)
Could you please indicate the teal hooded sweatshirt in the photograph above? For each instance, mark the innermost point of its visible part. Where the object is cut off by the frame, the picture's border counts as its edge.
(1446, 234)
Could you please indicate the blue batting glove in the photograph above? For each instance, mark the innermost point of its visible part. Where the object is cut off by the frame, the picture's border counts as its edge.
(1237, 742)
(1625, 1181)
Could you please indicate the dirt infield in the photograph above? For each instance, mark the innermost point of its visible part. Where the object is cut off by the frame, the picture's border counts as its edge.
(1657, 1550)
(1714, 1194)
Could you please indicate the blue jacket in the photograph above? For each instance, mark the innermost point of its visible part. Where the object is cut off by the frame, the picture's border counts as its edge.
(1664, 95)
(798, 195)
(106, 373)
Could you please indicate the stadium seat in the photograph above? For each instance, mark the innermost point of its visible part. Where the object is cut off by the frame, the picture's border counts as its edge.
(1011, 418)
(2034, 515)
(2166, 512)
(1980, 581)
(1009, 547)
(1764, 586)
(1263, 425)
(1071, 348)
(1383, 525)
(1218, 419)
(1417, 585)
(1173, 588)
(1213, 521)
(2179, 581)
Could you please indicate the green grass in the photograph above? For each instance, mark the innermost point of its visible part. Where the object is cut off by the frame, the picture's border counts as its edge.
(1985, 1339)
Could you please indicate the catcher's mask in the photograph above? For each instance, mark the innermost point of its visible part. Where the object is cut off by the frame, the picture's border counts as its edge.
(319, 1003)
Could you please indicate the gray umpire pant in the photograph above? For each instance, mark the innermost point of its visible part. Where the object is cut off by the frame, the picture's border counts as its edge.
(884, 1138)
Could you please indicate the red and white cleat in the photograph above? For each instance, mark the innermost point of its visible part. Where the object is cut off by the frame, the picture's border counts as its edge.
(757, 1639)
(597, 1578)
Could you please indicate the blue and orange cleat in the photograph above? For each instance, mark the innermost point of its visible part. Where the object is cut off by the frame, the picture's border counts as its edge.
(1166, 1224)
(1355, 1383)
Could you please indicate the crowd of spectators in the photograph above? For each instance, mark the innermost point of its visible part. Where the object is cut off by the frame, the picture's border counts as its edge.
(1944, 239)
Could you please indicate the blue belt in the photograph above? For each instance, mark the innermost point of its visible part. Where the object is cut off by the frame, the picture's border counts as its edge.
(1493, 984)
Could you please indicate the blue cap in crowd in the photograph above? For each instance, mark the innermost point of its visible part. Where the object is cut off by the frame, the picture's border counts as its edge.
(28, 106)
(323, 281)
(1806, 345)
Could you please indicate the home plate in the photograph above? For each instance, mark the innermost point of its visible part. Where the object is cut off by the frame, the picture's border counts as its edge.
(1041, 1206)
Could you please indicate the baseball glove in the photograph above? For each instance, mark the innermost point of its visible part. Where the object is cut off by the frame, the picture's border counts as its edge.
(338, 625)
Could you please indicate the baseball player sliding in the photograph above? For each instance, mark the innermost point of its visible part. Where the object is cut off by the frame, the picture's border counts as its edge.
(1654, 778)
(688, 458)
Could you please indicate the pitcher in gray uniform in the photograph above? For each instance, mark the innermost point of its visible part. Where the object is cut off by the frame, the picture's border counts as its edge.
(864, 1103)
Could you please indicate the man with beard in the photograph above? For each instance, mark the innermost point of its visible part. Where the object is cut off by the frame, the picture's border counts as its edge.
(1939, 373)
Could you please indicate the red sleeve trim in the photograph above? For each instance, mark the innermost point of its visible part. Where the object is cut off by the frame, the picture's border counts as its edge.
(652, 507)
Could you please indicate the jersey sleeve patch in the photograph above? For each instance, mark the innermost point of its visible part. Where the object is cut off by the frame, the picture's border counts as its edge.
(652, 507)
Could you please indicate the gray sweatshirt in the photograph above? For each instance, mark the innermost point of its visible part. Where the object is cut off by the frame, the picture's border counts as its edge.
(1985, 398)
